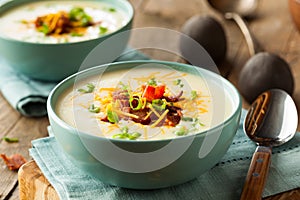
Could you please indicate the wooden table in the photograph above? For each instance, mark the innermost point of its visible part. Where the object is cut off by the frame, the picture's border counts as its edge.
(272, 27)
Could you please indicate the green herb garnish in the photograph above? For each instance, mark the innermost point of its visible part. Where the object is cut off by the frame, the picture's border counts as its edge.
(94, 109)
(44, 29)
(103, 30)
(112, 116)
(194, 95)
(78, 14)
(195, 122)
(75, 34)
(139, 101)
(126, 135)
(201, 124)
(134, 136)
(10, 140)
(188, 119)
(123, 86)
(178, 82)
(182, 131)
(159, 104)
(124, 129)
(152, 82)
(112, 10)
(90, 88)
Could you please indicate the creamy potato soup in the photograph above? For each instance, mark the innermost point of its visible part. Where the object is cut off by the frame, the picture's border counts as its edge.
(142, 104)
(61, 21)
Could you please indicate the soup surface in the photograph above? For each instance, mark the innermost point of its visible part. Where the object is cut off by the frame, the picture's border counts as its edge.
(61, 21)
(143, 103)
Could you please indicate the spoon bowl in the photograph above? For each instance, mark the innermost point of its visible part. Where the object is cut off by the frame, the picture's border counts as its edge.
(271, 121)
(245, 8)
(235, 10)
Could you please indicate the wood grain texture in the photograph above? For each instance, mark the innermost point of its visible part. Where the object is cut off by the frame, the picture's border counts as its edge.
(25, 129)
(257, 174)
(272, 26)
(33, 184)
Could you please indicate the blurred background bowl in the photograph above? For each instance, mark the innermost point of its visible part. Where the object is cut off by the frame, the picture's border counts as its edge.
(54, 62)
(294, 6)
(201, 152)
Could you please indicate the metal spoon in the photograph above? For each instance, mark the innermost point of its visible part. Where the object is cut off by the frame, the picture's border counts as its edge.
(271, 121)
(235, 10)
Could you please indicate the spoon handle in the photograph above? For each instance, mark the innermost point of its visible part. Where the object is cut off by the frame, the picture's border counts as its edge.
(257, 173)
(245, 30)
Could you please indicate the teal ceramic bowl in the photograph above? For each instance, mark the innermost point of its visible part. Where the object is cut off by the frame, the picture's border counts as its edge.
(147, 164)
(54, 62)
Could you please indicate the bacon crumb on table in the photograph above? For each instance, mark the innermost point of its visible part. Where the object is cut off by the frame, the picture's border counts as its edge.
(13, 162)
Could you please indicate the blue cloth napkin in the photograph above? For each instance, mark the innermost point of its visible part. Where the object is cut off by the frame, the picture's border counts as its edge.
(224, 181)
(29, 96)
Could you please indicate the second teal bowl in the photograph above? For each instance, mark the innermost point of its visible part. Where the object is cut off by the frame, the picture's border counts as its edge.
(83, 148)
(54, 62)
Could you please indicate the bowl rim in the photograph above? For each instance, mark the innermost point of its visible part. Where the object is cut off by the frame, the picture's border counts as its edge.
(236, 110)
(126, 3)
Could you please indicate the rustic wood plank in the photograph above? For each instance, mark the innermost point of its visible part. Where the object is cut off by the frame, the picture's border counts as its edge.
(26, 129)
(33, 184)
(15, 194)
(8, 117)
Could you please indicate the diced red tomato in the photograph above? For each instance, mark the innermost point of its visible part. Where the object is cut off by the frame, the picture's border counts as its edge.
(159, 91)
(149, 92)
(153, 92)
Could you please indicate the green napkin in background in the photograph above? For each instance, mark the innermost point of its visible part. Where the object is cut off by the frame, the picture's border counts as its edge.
(224, 181)
(29, 96)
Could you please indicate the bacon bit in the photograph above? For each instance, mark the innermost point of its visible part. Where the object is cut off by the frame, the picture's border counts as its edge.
(55, 23)
(14, 162)
(104, 118)
(60, 23)
(174, 98)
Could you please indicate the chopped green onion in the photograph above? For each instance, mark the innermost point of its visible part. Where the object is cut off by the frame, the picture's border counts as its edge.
(194, 95)
(134, 136)
(182, 131)
(123, 86)
(152, 82)
(74, 34)
(94, 109)
(90, 88)
(196, 122)
(112, 10)
(124, 129)
(201, 124)
(159, 104)
(10, 140)
(78, 14)
(44, 29)
(120, 136)
(140, 103)
(112, 116)
(103, 30)
(178, 82)
(188, 119)
(126, 135)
